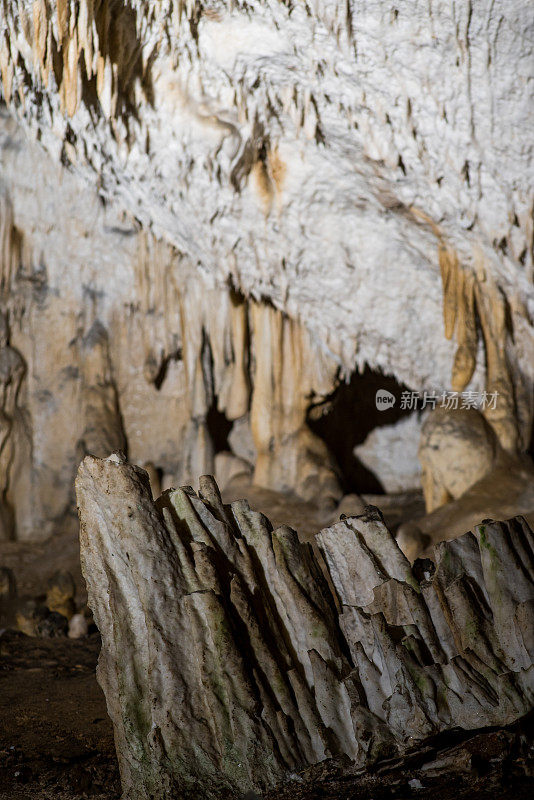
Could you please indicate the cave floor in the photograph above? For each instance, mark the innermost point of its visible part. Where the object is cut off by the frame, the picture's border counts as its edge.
(56, 740)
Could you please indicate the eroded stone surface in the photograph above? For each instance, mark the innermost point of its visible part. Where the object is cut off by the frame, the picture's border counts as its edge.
(457, 448)
(226, 664)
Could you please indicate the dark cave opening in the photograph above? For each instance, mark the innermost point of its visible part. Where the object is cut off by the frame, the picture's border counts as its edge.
(219, 427)
(348, 415)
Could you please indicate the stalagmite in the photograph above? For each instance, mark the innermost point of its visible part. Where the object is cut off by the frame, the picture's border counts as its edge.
(227, 666)
(457, 448)
(467, 475)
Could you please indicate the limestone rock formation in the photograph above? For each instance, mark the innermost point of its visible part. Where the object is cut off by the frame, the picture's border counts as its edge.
(134, 351)
(249, 201)
(457, 448)
(467, 476)
(227, 665)
(391, 453)
(61, 590)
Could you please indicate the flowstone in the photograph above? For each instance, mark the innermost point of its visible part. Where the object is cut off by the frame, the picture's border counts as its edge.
(228, 665)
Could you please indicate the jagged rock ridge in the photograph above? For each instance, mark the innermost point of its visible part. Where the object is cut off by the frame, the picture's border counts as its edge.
(226, 664)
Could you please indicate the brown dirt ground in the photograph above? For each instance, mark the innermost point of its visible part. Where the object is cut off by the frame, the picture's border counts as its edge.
(56, 741)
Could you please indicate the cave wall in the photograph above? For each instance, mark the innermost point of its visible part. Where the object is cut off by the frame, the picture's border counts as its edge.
(359, 174)
(294, 147)
(114, 341)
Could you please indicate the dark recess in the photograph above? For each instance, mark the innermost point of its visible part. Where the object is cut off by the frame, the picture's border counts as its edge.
(219, 427)
(350, 415)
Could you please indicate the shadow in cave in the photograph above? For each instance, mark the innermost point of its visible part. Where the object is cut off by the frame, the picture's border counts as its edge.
(219, 427)
(530, 445)
(348, 415)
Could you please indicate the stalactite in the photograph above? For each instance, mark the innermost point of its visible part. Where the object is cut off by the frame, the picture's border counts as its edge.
(492, 310)
(239, 356)
(466, 299)
(7, 66)
(466, 333)
(103, 430)
(286, 375)
(237, 402)
(14, 253)
(101, 30)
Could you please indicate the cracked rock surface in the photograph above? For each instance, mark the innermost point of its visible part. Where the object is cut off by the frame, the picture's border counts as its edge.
(227, 664)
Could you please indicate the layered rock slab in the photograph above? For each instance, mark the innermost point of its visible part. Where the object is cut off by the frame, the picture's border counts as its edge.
(227, 664)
